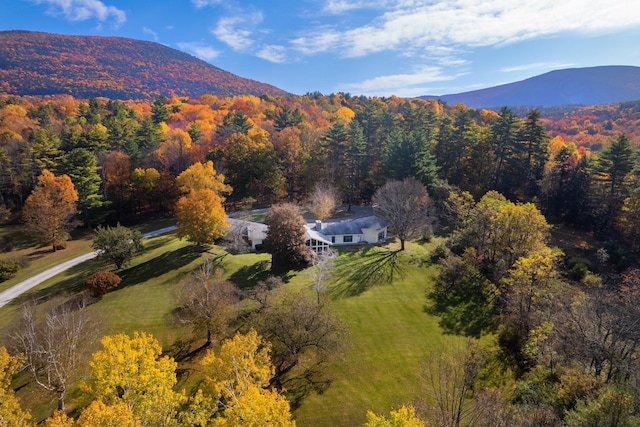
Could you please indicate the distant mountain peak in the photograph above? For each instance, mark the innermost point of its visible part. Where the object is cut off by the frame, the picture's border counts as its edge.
(571, 86)
(35, 63)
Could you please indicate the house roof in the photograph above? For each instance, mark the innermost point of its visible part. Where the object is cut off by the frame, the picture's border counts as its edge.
(353, 226)
(255, 230)
(314, 234)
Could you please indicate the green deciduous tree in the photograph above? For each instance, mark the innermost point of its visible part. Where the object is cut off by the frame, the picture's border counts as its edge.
(117, 244)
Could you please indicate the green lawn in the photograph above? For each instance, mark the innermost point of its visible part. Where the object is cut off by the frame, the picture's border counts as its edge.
(42, 258)
(389, 331)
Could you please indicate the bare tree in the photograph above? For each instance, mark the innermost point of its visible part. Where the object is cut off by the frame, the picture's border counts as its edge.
(320, 273)
(56, 346)
(207, 301)
(235, 242)
(323, 200)
(303, 335)
(403, 205)
(449, 374)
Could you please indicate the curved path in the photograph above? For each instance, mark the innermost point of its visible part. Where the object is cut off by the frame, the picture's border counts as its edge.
(15, 291)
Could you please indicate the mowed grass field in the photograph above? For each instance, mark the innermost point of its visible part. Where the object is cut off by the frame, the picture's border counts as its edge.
(389, 331)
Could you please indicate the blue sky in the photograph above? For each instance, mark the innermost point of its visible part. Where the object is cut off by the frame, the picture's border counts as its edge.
(374, 48)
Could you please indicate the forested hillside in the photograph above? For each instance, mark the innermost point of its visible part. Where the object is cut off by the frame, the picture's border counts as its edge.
(33, 63)
(551, 337)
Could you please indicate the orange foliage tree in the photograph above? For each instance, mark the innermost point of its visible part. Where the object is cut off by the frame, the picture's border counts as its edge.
(50, 207)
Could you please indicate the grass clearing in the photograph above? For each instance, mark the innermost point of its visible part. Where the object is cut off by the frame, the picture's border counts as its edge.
(389, 331)
(41, 258)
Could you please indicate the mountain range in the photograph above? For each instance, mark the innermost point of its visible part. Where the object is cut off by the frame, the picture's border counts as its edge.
(35, 63)
(571, 86)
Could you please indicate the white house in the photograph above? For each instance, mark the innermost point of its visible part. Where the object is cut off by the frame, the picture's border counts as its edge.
(321, 236)
(370, 229)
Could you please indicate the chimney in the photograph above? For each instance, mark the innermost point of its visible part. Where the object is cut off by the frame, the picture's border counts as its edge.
(318, 225)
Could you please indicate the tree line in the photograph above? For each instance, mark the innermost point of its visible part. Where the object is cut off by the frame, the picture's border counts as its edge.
(123, 157)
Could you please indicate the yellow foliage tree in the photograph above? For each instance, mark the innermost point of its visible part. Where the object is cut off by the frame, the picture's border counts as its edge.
(628, 220)
(98, 414)
(11, 414)
(59, 419)
(237, 379)
(202, 176)
(405, 416)
(50, 207)
(201, 217)
(174, 150)
(130, 371)
(345, 114)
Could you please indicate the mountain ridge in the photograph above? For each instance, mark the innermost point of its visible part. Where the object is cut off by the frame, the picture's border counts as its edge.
(37, 63)
(570, 86)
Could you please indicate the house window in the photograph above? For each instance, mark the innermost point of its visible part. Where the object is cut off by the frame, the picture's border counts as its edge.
(347, 239)
(333, 239)
(381, 236)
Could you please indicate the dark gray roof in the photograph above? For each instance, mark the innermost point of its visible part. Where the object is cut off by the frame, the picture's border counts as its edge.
(352, 226)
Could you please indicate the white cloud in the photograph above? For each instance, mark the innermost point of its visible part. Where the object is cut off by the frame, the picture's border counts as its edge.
(536, 66)
(322, 40)
(273, 53)
(202, 3)
(409, 84)
(200, 50)
(426, 25)
(152, 33)
(237, 31)
(81, 10)
(337, 7)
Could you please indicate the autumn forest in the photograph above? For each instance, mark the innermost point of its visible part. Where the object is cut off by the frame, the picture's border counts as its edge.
(548, 326)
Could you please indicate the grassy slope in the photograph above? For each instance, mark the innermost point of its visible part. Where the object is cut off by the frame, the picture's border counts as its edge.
(389, 332)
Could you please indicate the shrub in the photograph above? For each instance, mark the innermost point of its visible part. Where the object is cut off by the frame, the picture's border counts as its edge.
(101, 282)
(578, 268)
(9, 267)
(6, 244)
(438, 253)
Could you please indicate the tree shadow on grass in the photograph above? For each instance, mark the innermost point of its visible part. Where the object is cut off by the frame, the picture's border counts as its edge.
(156, 242)
(310, 381)
(168, 261)
(71, 285)
(249, 275)
(363, 270)
(470, 314)
(77, 275)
